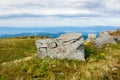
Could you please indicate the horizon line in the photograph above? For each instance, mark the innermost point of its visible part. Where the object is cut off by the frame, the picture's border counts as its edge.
(55, 26)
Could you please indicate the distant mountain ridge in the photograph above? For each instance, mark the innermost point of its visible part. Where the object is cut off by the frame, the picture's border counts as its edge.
(54, 35)
(6, 32)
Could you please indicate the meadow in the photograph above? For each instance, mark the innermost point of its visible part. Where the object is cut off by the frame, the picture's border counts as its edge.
(100, 63)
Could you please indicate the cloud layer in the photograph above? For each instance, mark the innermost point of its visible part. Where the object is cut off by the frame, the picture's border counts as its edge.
(59, 9)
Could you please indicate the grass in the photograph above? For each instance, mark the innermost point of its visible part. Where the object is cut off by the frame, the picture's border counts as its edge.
(100, 64)
(13, 48)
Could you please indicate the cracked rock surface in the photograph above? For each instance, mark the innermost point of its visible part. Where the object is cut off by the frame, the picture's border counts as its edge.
(69, 45)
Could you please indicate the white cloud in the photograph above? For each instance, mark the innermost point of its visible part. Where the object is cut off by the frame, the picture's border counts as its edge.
(113, 5)
(56, 21)
(45, 12)
(57, 7)
(57, 10)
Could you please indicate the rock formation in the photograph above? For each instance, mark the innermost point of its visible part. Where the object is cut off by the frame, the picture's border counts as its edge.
(104, 38)
(69, 45)
(115, 34)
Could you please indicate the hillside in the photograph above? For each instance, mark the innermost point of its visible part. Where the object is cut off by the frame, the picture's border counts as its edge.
(100, 64)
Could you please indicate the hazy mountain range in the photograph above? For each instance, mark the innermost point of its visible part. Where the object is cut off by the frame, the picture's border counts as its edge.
(6, 32)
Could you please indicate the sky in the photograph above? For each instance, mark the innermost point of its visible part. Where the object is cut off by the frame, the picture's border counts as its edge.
(49, 13)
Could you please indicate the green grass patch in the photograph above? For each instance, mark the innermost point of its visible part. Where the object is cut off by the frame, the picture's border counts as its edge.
(13, 48)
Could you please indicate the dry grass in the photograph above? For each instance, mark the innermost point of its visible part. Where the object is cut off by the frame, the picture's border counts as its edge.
(101, 64)
(13, 48)
(115, 33)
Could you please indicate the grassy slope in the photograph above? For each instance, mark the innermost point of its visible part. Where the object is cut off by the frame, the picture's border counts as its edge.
(101, 63)
(13, 48)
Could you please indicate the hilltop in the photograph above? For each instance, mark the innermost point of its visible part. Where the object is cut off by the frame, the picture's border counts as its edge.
(20, 62)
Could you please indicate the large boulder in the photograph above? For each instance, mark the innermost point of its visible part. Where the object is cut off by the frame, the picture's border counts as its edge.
(69, 45)
(104, 38)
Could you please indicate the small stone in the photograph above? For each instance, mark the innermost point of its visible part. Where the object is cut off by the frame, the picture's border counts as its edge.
(114, 69)
(91, 37)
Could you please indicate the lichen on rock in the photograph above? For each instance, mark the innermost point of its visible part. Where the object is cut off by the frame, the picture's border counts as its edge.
(69, 45)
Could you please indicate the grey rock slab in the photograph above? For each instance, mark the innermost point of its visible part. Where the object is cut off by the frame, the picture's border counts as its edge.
(104, 38)
(69, 45)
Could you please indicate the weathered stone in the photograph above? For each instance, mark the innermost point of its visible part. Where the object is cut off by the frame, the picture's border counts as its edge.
(115, 34)
(68, 46)
(117, 38)
(92, 37)
(104, 38)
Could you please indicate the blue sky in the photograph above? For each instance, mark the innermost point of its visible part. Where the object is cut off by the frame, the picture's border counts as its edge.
(28, 13)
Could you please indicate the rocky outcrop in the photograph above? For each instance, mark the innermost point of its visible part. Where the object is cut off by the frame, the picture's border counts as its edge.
(117, 38)
(104, 38)
(91, 37)
(115, 34)
(68, 46)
